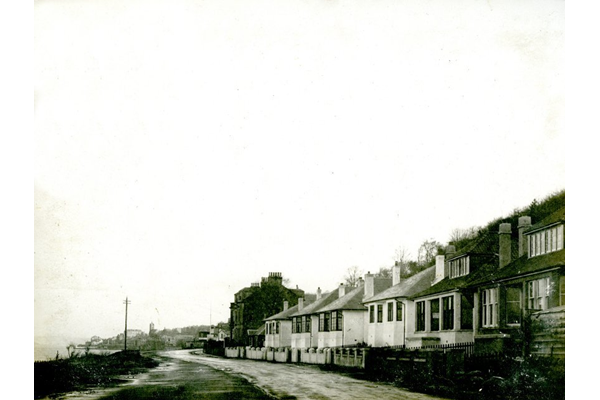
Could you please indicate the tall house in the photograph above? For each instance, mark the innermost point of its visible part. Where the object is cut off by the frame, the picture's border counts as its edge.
(253, 304)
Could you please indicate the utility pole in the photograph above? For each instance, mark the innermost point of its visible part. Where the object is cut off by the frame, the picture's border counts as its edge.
(126, 302)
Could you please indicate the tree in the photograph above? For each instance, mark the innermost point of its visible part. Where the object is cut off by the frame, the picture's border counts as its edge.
(353, 275)
(427, 252)
(384, 272)
(460, 237)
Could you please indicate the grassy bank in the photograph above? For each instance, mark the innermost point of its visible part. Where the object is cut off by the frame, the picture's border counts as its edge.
(82, 371)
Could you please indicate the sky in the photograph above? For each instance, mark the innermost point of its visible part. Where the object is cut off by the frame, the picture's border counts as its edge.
(184, 151)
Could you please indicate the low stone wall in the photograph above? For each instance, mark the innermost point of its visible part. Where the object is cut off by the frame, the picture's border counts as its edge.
(346, 357)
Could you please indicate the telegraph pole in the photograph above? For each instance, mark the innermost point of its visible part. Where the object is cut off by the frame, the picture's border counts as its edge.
(126, 302)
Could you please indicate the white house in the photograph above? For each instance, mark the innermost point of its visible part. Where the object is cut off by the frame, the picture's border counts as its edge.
(391, 312)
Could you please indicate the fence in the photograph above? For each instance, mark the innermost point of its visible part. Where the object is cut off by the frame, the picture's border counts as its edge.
(468, 347)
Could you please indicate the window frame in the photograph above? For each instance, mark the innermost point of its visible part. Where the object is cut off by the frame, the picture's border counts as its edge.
(399, 310)
(420, 317)
(390, 311)
(447, 319)
(489, 308)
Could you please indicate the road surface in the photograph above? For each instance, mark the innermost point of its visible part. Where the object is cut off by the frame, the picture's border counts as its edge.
(185, 374)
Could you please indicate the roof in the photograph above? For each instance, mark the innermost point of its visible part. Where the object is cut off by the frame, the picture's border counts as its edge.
(322, 302)
(350, 301)
(285, 314)
(523, 266)
(407, 287)
(556, 217)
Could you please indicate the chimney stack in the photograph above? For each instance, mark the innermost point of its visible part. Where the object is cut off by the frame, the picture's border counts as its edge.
(504, 251)
(319, 293)
(300, 303)
(396, 273)
(440, 268)
(369, 285)
(342, 290)
(450, 251)
(524, 224)
(285, 305)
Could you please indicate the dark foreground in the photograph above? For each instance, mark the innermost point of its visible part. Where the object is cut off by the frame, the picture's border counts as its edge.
(80, 372)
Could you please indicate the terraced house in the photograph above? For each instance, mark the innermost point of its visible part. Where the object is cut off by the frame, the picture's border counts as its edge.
(443, 313)
(521, 306)
(391, 312)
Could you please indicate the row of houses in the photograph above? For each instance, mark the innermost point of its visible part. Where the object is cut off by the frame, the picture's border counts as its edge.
(502, 292)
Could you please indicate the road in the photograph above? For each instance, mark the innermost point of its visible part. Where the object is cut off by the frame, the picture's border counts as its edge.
(184, 374)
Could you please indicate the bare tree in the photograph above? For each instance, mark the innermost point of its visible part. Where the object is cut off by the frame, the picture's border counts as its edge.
(428, 251)
(353, 275)
(384, 272)
(458, 234)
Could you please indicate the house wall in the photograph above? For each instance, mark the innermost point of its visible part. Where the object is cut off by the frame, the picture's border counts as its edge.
(281, 339)
(352, 334)
(386, 333)
(443, 336)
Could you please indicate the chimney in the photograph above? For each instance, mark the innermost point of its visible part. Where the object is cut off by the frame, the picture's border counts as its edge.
(450, 251)
(301, 303)
(361, 282)
(524, 224)
(319, 293)
(369, 285)
(504, 251)
(440, 268)
(342, 290)
(396, 273)
(285, 305)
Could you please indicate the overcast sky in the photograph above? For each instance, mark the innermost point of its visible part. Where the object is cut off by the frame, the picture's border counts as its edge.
(183, 151)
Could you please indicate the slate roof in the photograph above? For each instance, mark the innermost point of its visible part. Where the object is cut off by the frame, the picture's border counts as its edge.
(523, 266)
(407, 287)
(286, 314)
(555, 217)
(350, 301)
(313, 308)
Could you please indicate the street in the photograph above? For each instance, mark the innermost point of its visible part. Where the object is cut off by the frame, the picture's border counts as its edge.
(187, 374)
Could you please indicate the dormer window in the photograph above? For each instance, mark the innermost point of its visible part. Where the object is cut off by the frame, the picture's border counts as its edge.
(547, 240)
(459, 267)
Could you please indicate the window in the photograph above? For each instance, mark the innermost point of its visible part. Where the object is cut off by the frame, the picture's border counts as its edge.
(448, 312)
(326, 321)
(420, 323)
(371, 314)
(321, 322)
(466, 312)
(334, 320)
(398, 311)
(459, 267)
(435, 314)
(546, 241)
(306, 322)
(489, 308)
(390, 312)
(276, 327)
(562, 290)
(538, 292)
(379, 312)
(513, 305)
(294, 322)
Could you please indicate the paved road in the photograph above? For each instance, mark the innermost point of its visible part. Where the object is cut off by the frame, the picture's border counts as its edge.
(184, 375)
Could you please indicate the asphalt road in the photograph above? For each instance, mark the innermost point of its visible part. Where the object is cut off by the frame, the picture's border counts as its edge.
(183, 375)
